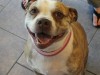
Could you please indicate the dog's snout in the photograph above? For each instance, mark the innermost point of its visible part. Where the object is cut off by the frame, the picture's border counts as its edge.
(44, 23)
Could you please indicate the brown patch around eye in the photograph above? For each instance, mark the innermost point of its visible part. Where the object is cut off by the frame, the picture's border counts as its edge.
(60, 12)
(58, 15)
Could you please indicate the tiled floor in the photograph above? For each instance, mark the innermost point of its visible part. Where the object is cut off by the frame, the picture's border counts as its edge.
(13, 36)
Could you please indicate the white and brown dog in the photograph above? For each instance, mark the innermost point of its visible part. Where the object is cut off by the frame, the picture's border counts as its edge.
(57, 44)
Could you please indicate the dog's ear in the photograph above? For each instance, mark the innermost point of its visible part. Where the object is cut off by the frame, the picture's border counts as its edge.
(73, 14)
(27, 3)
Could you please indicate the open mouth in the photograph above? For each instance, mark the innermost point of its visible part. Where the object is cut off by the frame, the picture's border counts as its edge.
(43, 40)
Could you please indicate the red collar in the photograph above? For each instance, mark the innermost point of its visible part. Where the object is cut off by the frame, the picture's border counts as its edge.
(55, 52)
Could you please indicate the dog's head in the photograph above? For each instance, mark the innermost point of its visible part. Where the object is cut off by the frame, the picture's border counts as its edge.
(48, 20)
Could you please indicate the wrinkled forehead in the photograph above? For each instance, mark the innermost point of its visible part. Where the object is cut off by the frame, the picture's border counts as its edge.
(49, 5)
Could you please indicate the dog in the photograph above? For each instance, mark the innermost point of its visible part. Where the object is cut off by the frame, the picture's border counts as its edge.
(57, 43)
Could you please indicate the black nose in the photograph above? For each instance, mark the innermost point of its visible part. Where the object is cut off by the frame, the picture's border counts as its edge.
(44, 23)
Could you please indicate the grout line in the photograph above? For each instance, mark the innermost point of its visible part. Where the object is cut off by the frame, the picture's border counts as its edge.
(12, 33)
(5, 29)
(92, 37)
(91, 72)
(25, 66)
(1, 5)
(14, 63)
(5, 6)
(1, 8)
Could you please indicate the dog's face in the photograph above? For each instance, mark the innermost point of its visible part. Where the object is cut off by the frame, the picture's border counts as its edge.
(48, 20)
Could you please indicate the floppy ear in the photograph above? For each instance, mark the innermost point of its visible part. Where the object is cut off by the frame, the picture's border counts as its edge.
(26, 3)
(73, 14)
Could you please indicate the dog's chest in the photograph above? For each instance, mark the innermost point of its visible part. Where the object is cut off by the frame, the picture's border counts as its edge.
(55, 65)
(49, 65)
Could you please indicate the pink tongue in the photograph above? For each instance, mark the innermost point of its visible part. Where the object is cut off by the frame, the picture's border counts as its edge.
(43, 38)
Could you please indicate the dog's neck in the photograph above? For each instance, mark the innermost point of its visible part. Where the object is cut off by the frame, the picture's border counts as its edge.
(56, 47)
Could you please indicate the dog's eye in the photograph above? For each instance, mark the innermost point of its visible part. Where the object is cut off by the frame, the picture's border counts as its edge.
(59, 15)
(34, 11)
